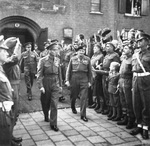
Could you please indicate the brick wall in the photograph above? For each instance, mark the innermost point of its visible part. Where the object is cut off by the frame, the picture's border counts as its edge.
(76, 15)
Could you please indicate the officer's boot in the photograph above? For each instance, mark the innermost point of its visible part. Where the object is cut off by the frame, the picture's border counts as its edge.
(118, 117)
(110, 111)
(114, 114)
(124, 121)
(131, 123)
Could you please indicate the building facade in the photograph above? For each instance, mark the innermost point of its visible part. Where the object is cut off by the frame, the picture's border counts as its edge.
(37, 20)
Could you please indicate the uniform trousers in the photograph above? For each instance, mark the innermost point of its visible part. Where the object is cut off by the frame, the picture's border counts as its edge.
(16, 88)
(141, 99)
(79, 86)
(29, 78)
(125, 90)
(49, 100)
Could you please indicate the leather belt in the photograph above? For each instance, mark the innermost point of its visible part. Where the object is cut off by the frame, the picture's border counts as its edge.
(141, 74)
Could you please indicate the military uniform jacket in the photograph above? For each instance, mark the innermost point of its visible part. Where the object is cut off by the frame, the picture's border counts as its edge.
(48, 66)
(126, 68)
(114, 57)
(77, 65)
(5, 87)
(145, 60)
(30, 61)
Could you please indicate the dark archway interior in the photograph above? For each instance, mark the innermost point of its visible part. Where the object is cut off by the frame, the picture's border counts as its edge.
(23, 34)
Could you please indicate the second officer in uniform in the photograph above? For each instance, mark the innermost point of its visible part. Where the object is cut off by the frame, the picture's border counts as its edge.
(78, 76)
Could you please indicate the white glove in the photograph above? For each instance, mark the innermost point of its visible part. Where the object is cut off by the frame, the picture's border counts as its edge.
(42, 90)
(67, 84)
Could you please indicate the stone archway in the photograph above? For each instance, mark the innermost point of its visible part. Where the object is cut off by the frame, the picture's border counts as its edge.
(24, 28)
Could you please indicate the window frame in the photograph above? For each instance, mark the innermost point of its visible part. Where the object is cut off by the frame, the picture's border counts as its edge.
(96, 5)
(143, 12)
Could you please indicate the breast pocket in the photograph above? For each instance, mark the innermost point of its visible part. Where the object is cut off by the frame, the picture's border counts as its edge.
(146, 62)
(48, 68)
(75, 65)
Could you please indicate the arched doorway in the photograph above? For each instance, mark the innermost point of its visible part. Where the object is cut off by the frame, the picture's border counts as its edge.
(24, 28)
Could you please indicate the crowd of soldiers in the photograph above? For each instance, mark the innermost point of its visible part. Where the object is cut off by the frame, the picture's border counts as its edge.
(111, 76)
(119, 84)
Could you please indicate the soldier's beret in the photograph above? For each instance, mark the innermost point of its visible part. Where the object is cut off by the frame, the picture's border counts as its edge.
(54, 41)
(51, 46)
(79, 48)
(105, 31)
(11, 42)
(143, 36)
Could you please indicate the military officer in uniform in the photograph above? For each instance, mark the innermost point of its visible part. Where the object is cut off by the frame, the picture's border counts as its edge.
(141, 86)
(30, 67)
(6, 94)
(50, 84)
(78, 77)
(13, 73)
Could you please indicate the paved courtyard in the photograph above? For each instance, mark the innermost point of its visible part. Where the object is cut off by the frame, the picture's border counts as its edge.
(98, 131)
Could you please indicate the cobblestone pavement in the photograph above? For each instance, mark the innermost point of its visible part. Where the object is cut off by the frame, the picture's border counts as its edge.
(98, 131)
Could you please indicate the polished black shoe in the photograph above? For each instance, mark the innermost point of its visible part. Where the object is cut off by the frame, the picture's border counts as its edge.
(74, 111)
(116, 119)
(145, 134)
(124, 121)
(54, 127)
(46, 119)
(130, 125)
(136, 131)
(84, 119)
(17, 139)
(111, 118)
(15, 144)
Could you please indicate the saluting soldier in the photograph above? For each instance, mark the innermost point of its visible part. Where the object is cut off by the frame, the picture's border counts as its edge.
(78, 76)
(30, 67)
(50, 84)
(141, 86)
(12, 70)
(6, 122)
